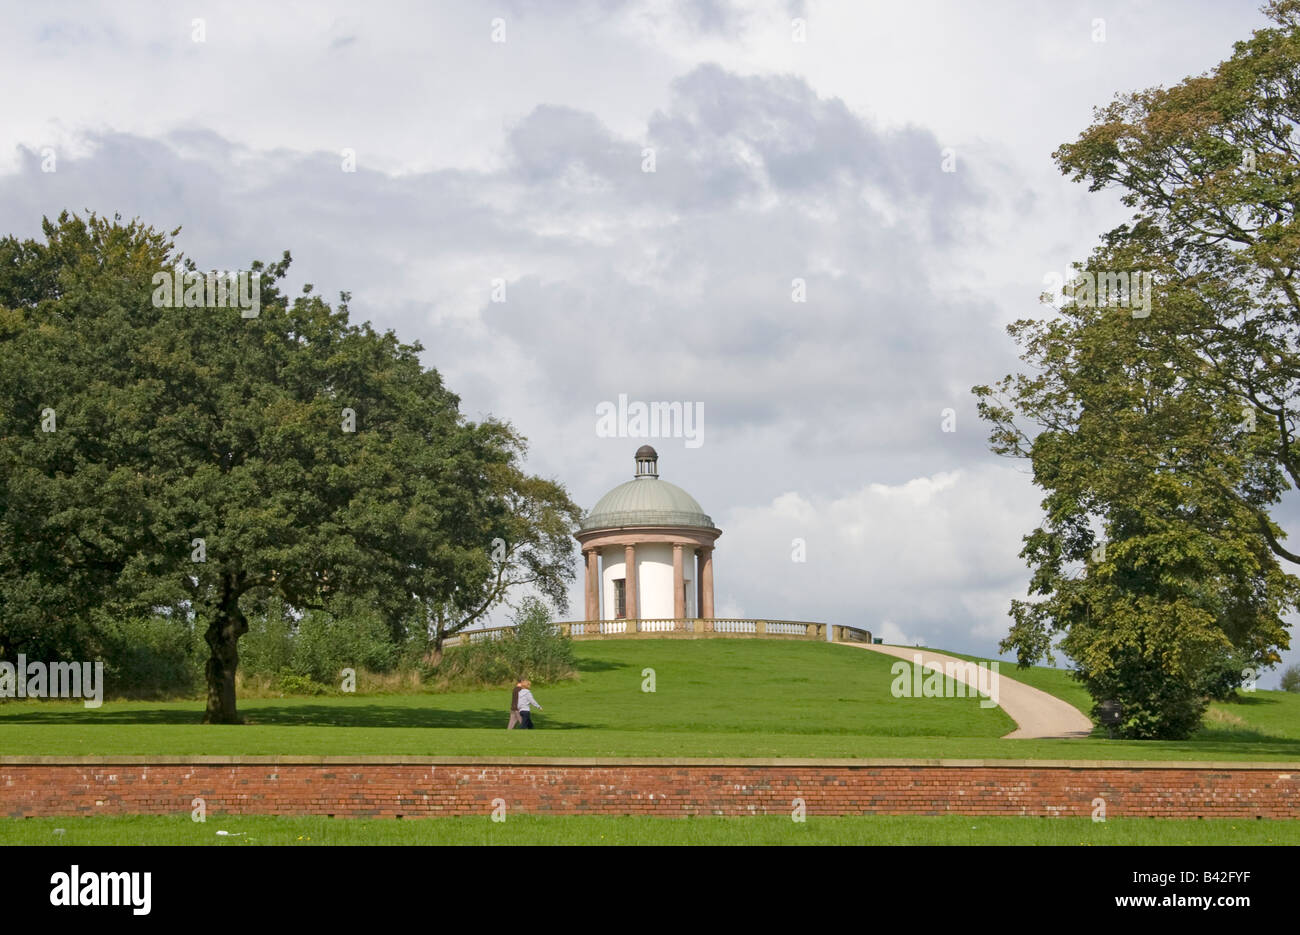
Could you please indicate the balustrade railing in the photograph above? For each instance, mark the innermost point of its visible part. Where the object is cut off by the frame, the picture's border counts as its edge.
(594, 629)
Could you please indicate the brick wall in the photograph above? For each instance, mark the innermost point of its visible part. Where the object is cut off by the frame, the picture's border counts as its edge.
(421, 787)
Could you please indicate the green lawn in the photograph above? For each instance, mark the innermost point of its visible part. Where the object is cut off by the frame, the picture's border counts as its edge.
(532, 829)
(713, 698)
(1058, 682)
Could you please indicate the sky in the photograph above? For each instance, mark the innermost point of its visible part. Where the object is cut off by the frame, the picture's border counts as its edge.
(566, 202)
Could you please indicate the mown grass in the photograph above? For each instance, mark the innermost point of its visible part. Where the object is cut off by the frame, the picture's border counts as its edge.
(713, 698)
(601, 830)
(1250, 717)
(1057, 682)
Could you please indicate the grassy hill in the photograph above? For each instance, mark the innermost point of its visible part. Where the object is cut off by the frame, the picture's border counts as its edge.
(1058, 682)
(713, 698)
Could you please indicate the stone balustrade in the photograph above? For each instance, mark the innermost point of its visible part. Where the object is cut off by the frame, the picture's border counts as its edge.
(693, 628)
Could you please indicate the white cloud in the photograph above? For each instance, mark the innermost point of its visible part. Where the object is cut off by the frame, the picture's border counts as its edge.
(932, 558)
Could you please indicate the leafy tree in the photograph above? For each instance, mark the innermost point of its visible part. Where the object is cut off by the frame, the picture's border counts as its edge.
(204, 461)
(1169, 433)
(1291, 679)
(1212, 169)
(534, 548)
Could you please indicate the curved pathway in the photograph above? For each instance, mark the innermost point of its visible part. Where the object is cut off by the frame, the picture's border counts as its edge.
(1036, 713)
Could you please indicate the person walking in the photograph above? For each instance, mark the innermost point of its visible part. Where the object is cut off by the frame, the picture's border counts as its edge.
(514, 707)
(526, 701)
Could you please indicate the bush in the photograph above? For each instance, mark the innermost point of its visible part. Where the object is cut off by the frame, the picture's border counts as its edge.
(151, 657)
(1291, 679)
(290, 684)
(318, 646)
(324, 645)
(1221, 678)
(165, 656)
(533, 649)
(1157, 705)
(267, 647)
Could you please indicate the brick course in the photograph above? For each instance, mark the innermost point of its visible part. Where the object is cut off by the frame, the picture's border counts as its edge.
(414, 787)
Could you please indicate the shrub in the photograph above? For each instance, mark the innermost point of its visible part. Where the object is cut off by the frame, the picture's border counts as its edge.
(267, 647)
(150, 657)
(286, 654)
(1221, 678)
(1291, 679)
(324, 645)
(1157, 705)
(533, 649)
(290, 684)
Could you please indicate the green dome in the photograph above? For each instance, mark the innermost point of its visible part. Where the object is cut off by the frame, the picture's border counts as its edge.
(646, 501)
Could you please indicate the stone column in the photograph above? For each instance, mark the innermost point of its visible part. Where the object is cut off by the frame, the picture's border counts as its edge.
(706, 583)
(593, 585)
(699, 583)
(679, 595)
(629, 589)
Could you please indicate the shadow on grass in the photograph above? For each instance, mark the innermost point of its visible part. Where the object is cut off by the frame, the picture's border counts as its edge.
(1233, 735)
(1209, 742)
(1246, 700)
(585, 664)
(296, 715)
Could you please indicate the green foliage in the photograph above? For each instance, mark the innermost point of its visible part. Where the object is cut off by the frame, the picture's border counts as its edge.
(1167, 437)
(157, 657)
(268, 646)
(150, 657)
(177, 423)
(324, 645)
(291, 684)
(1220, 678)
(534, 649)
(1156, 705)
(1291, 679)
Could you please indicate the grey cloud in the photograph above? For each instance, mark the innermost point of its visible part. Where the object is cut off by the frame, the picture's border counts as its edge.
(666, 286)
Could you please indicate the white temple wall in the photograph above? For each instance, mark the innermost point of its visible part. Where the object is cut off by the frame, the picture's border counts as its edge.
(612, 567)
(654, 563)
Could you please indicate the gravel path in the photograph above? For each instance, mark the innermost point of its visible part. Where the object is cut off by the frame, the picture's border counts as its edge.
(1036, 713)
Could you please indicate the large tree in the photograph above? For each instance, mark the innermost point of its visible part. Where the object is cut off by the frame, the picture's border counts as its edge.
(1169, 431)
(154, 455)
(1212, 169)
(534, 545)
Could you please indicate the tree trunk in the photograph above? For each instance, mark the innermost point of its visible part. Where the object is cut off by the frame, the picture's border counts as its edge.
(222, 637)
(436, 658)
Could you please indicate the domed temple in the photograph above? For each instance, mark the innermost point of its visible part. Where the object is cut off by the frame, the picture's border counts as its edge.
(648, 550)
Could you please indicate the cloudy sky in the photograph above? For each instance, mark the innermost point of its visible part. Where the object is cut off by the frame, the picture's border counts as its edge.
(508, 142)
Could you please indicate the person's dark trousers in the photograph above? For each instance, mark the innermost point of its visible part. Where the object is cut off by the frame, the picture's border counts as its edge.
(526, 720)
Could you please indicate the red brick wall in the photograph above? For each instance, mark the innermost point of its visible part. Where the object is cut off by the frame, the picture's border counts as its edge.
(413, 789)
